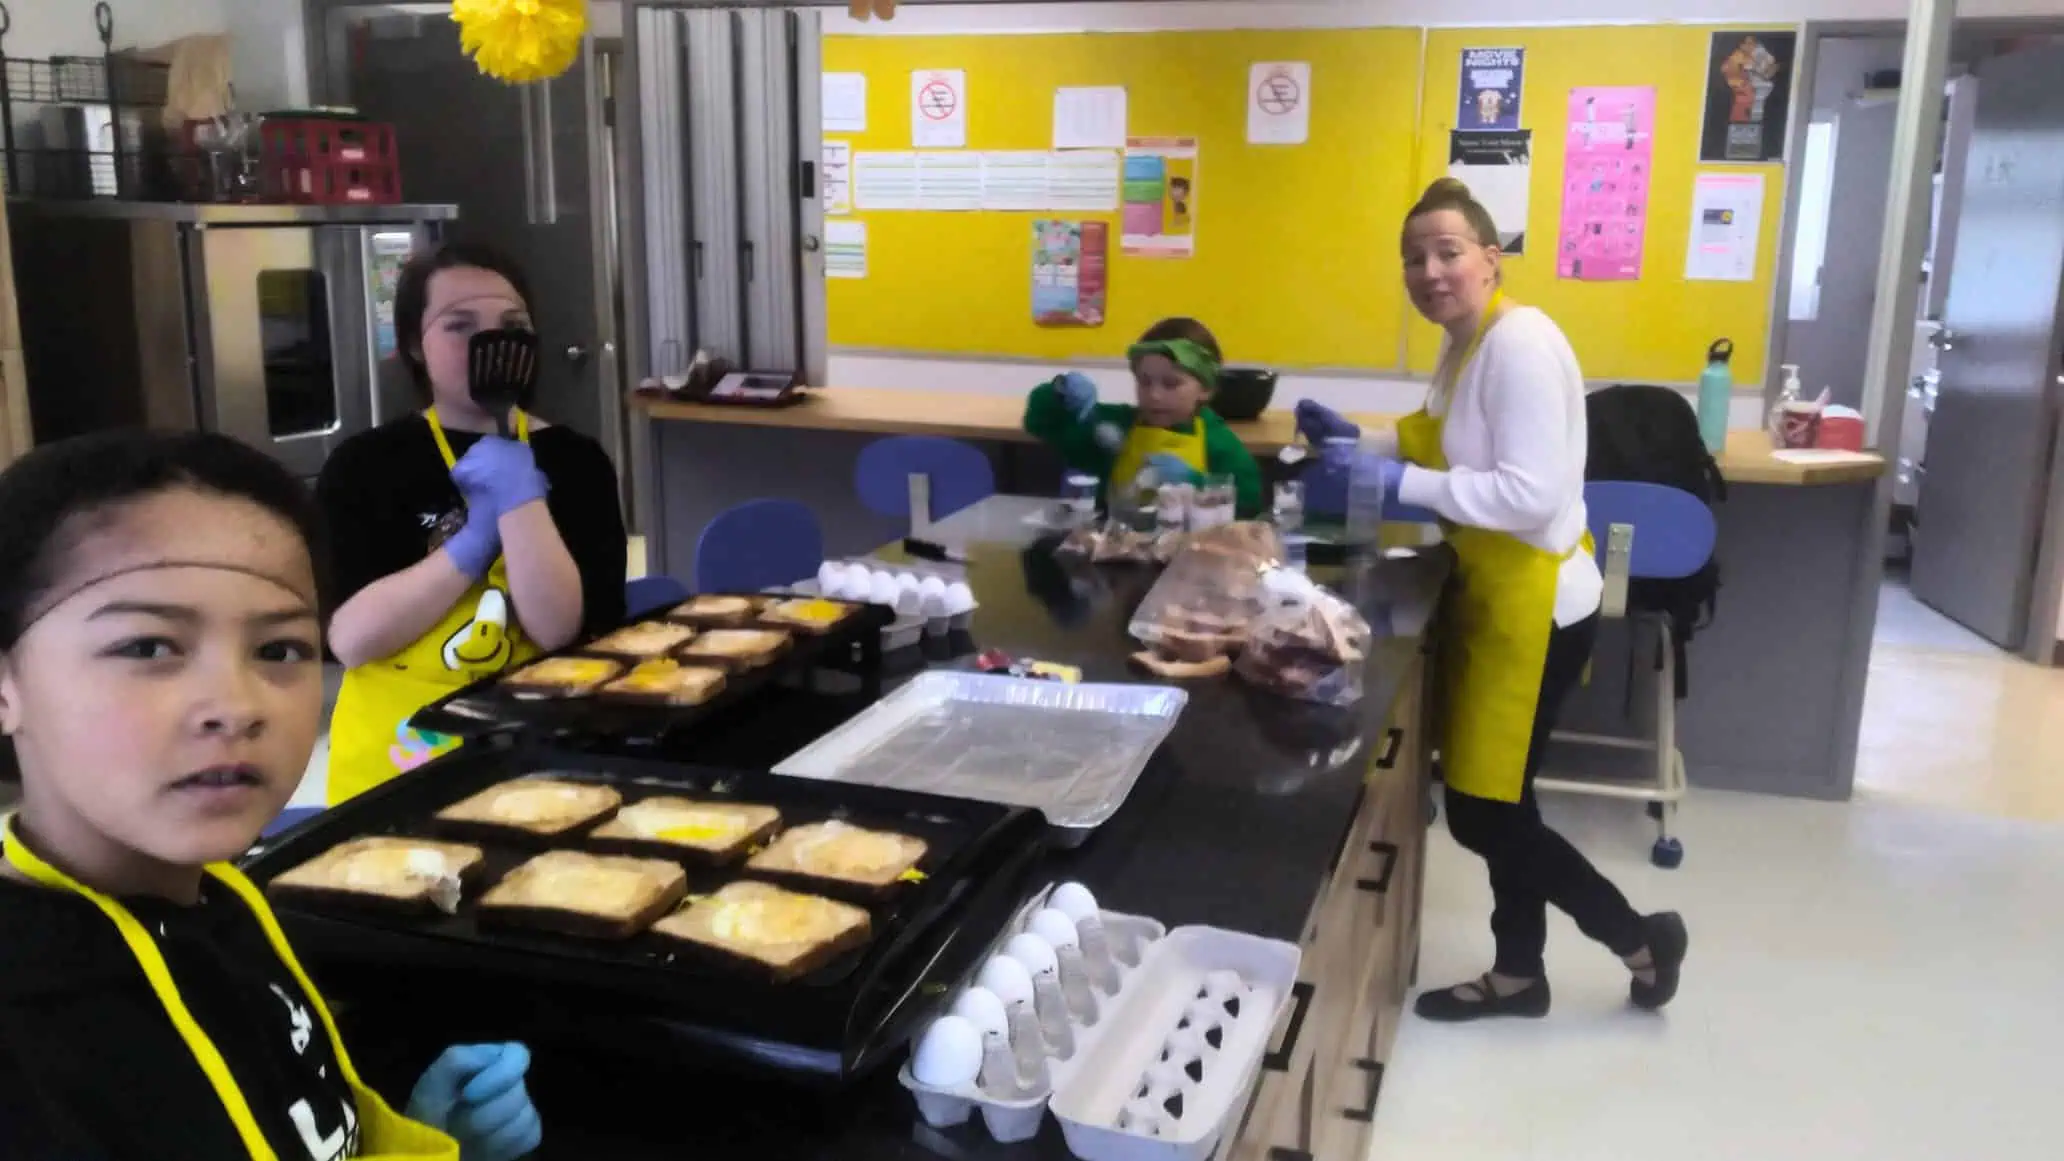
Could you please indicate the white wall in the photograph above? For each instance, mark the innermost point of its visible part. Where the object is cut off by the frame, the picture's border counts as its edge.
(926, 19)
(268, 53)
(65, 27)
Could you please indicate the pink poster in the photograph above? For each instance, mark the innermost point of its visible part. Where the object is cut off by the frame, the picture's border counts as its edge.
(1605, 171)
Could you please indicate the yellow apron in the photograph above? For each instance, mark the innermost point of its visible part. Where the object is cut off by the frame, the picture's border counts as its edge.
(1495, 622)
(384, 1134)
(1146, 440)
(370, 738)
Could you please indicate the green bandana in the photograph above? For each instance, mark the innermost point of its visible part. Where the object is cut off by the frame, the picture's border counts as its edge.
(1189, 356)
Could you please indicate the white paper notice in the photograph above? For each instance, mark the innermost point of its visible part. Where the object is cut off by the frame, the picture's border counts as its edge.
(1014, 181)
(1726, 221)
(1084, 181)
(845, 249)
(938, 109)
(838, 177)
(949, 181)
(885, 181)
(1279, 103)
(844, 96)
(1089, 118)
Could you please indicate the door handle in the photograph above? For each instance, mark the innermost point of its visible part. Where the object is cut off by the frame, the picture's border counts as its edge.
(1944, 339)
(1392, 739)
(1300, 1005)
(576, 353)
(1373, 1069)
(1380, 883)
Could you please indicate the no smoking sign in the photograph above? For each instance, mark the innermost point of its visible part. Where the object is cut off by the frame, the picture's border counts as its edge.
(937, 100)
(1279, 103)
(1279, 94)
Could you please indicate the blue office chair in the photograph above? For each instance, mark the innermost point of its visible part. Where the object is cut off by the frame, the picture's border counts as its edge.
(757, 545)
(959, 474)
(1666, 534)
(650, 594)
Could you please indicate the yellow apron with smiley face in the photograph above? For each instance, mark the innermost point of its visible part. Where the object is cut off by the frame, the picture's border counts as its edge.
(384, 1134)
(370, 738)
(1495, 622)
(1145, 440)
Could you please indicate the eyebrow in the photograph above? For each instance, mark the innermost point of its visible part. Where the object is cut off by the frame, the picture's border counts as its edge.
(188, 616)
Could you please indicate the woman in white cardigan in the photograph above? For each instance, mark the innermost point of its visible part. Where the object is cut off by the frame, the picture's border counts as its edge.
(1498, 452)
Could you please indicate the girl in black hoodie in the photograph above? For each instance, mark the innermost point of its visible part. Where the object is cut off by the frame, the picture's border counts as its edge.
(161, 688)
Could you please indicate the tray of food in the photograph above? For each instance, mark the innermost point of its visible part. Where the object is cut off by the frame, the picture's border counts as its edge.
(663, 671)
(753, 917)
(1072, 751)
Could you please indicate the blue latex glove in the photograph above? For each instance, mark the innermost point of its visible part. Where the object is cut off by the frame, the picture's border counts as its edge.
(474, 547)
(1078, 392)
(475, 1093)
(1317, 423)
(499, 476)
(1169, 468)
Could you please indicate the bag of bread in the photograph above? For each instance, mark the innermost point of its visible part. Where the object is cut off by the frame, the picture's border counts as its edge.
(1306, 643)
(1203, 604)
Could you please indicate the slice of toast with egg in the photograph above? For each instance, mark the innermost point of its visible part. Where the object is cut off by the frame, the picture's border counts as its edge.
(786, 933)
(537, 807)
(669, 827)
(592, 896)
(389, 871)
(839, 854)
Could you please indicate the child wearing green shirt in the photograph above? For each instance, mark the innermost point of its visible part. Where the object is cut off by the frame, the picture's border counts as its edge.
(1171, 431)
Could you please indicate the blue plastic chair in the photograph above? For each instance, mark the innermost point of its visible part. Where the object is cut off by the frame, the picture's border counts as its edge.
(757, 545)
(1673, 535)
(959, 473)
(650, 594)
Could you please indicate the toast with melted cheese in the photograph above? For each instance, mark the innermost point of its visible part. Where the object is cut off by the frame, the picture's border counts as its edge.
(787, 933)
(407, 873)
(543, 807)
(575, 893)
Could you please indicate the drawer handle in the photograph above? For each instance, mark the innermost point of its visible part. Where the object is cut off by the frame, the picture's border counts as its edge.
(1300, 1004)
(1380, 883)
(1367, 1112)
(1393, 740)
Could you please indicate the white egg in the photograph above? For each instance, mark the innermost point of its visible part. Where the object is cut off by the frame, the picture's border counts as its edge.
(933, 605)
(883, 591)
(1008, 979)
(959, 598)
(980, 1007)
(831, 575)
(907, 581)
(848, 581)
(1035, 953)
(1075, 901)
(932, 586)
(908, 603)
(950, 1053)
(1054, 926)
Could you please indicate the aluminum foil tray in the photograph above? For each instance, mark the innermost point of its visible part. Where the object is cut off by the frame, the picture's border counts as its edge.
(1071, 751)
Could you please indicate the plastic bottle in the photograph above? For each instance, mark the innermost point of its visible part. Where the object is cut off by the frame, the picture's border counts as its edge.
(1715, 392)
(1787, 395)
(1365, 498)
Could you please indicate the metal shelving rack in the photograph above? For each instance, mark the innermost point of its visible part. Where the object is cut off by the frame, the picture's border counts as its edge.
(103, 108)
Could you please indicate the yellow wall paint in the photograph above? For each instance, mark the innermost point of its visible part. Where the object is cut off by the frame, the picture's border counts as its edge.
(1296, 245)
(1296, 262)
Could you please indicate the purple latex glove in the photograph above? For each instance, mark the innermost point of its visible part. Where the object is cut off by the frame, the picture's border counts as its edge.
(498, 476)
(1078, 393)
(474, 547)
(1318, 423)
(475, 1092)
(1326, 485)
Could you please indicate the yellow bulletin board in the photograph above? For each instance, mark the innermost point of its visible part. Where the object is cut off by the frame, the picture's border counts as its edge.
(1296, 246)
(1657, 327)
(1296, 262)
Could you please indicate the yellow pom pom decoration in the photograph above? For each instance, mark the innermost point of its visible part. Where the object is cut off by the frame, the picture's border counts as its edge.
(521, 41)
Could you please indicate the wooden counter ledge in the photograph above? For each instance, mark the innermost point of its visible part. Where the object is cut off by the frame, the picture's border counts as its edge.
(1747, 459)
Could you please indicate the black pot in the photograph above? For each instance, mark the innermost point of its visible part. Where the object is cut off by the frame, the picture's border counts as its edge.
(1243, 392)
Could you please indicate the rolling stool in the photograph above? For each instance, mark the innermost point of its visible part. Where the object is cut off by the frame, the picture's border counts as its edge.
(1644, 532)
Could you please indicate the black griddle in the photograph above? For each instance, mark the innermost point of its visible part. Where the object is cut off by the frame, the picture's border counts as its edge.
(485, 708)
(654, 995)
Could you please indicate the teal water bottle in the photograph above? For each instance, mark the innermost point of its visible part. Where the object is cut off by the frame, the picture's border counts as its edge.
(1715, 392)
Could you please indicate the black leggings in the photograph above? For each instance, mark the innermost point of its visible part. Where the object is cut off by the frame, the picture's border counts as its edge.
(1531, 866)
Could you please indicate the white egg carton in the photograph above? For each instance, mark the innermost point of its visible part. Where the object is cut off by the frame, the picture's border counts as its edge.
(913, 620)
(1170, 1074)
(1012, 1119)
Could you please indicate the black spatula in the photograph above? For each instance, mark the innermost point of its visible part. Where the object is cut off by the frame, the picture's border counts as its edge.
(501, 370)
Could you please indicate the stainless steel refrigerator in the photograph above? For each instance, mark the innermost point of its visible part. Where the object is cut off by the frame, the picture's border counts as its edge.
(269, 323)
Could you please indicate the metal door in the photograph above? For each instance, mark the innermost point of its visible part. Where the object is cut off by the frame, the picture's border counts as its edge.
(515, 159)
(1989, 443)
(283, 362)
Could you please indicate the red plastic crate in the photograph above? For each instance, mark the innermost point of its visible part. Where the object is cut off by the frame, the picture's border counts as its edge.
(329, 161)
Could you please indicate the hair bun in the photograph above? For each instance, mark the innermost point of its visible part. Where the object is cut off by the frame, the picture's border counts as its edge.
(1448, 187)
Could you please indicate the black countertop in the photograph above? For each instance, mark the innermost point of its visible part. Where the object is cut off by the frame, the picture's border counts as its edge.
(1235, 824)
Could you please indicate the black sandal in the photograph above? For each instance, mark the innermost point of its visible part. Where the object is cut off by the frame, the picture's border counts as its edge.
(1452, 1006)
(1667, 942)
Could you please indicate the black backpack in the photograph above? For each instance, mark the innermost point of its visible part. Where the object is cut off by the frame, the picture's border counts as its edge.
(1650, 435)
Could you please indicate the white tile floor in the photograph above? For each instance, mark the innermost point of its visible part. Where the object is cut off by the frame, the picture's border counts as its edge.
(1866, 980)
(1905, 623)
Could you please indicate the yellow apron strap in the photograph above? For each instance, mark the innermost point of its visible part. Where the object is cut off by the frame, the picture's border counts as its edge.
(380, 1127)
(444, 445)
(152, 961)
(1145, 441)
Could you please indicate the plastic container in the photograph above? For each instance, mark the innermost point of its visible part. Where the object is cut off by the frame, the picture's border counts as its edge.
(1154, 1055)
(318, 160)
(1715, 394)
